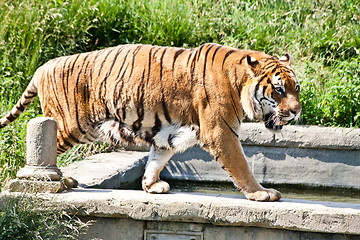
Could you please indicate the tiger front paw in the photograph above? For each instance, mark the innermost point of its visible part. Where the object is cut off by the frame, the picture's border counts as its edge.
(156, 187)
(265, 195)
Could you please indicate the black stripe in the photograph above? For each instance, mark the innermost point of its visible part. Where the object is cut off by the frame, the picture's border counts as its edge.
(199, 52)
(123, 109)
(87, 65)
(257, 87)
(232, 130)
(149, 64)
(123, 63)
(60, 150)
(274, 69)
(103, 83)
(265, 98)
(76, 90)
(140, 106)
(213, 57)
(157, 127)
(166, 112)
(65, 83)
(226, 56)
(72, 68)
(94, 63)
(117, 116)
(177, 53)
(204, 72)
(30, 94)
(188, 60)
(170, 139)
(66, 142)
(107, 112)
(236, 85)
(163, 104)
(133, 59)
(192, 69)
(20, 108)
(161, 63)
(86, 93)
(269, 59)
(264, 89)
(205, 61)
(10, 117)
(102, 63)
(117, 80)
(82, 131)
(242, 59)
(62, 115)
(234, 108)
(81, 69)
(54, 72)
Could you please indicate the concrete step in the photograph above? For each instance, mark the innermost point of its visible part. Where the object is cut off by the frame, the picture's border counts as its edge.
(117, 170)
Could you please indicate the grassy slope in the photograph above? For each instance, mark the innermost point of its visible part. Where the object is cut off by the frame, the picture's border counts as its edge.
(323, 38)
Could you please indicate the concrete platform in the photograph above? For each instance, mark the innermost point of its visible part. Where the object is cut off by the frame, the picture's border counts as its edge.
(207, 212)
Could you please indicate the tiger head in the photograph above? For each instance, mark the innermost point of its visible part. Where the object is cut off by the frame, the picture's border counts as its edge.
(273, 92)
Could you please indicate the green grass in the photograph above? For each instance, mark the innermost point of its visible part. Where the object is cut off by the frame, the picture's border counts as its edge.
(21, 218)
(323, 38)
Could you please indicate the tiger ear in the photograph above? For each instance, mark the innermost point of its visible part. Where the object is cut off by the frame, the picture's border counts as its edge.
(252, 61)
(286, 59)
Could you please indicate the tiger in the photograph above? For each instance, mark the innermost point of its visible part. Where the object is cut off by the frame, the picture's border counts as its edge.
(170, 98)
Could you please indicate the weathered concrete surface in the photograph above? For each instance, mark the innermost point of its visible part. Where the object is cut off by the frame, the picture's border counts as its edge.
(115, 229)
(311, 156)
(276, 165)
(35, 186)
(301, 136)
(224, 210)
(108, 170)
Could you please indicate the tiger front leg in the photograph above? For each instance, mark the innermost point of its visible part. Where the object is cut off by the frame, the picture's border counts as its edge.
(232, 159)
(223, 143)
(151, 182)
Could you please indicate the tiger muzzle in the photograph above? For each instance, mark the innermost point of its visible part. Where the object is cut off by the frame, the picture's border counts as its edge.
(274, 122)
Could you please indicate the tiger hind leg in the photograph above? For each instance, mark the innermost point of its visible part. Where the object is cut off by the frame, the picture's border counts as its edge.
(151, 182)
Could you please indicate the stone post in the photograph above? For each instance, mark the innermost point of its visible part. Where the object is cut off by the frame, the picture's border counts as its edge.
(40, 173)
(41, 151)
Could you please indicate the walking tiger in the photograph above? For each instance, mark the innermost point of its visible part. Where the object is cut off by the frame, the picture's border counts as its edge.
(171, 98)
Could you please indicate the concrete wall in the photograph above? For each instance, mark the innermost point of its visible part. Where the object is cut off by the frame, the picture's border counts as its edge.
(128, 229)
(306, 155)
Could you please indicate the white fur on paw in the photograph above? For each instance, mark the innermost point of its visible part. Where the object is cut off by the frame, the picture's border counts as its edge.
(158, 187)
(266, 195)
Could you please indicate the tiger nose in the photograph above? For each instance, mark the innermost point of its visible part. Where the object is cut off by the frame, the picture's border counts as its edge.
(296, 111)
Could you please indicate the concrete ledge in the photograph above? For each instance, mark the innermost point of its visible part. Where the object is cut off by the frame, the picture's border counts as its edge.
(301, 136)
(215, 209)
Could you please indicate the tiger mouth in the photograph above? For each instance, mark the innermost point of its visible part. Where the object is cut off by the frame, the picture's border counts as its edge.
(274, 122)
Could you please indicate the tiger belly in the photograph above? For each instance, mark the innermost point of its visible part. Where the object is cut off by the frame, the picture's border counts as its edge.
(173, 136)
